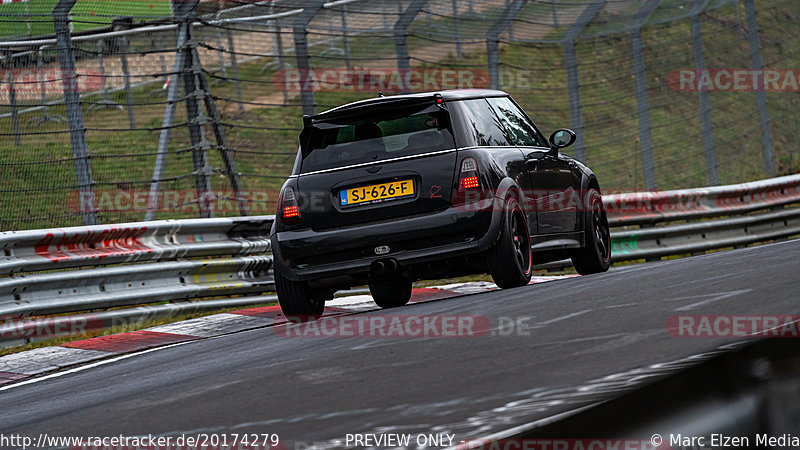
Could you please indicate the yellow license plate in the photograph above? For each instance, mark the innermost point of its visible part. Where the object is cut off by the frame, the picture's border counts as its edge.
(376, 192)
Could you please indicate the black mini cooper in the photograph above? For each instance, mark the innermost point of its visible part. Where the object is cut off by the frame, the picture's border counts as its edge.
(390, 190)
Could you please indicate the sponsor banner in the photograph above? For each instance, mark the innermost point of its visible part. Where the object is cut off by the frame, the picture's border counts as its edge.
(746, 80)
(28, 82)
(112, 241)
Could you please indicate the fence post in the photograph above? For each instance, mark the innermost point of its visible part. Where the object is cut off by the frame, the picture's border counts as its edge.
(703, 98)
(235, 68)
(493, 41)
(555, 13)
(105, 102)
(643, 108)
(169, 116)
(126, 76)
(300, 29)
(401, 40)
(456, 26)
(219, 134)
(46, 117)
(12, 96)
(223, 69)
(761, 95)
(279, 51)
(183, 10)
(571, 64)
(346, 39)
(384, 15)
(72, 100)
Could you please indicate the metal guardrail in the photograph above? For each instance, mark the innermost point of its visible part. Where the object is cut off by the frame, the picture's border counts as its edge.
(647, 209)
(109, 266)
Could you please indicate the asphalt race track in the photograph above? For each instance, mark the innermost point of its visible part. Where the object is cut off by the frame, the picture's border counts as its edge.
(320, 389)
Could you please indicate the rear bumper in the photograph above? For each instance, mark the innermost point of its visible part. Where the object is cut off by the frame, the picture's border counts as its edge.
(306, 255)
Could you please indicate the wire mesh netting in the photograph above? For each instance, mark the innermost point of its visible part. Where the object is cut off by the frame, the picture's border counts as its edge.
(207, 123)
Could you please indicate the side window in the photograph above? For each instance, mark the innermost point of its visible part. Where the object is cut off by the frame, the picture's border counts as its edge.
(483, 124)
(520, 129)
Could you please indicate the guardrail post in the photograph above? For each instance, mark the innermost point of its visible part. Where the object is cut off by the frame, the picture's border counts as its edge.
(72, 100)
(12, 96)
(300, 29)
(643, 108)
(573, 84)
(705, 103)
(761, 95)
(493, 41)
(401, 39)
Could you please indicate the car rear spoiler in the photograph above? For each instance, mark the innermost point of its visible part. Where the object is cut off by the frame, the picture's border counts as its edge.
(377, 106)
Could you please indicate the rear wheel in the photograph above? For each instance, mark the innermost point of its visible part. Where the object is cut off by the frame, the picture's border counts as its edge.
(595, 256)
(296, 298)
(509, 260)
(392, 292)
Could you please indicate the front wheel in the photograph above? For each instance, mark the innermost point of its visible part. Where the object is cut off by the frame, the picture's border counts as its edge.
(391, 293)
(509, 259)
(595, 256)
(297, 298)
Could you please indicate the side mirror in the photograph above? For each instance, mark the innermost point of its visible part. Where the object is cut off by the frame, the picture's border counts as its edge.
(562, 138)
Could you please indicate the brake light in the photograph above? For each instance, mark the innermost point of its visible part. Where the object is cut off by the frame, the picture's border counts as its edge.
(290, 211)
(469, 183)
(469, 175)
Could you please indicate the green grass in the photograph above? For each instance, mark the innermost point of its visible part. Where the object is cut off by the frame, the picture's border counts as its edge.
(34, 17)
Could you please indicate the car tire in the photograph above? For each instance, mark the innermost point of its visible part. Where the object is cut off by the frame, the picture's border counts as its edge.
(595, 256)
(296, 298)
(510, 259)
(391, 293)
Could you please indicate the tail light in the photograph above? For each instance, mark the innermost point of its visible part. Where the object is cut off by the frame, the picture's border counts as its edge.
(290, 211)
(468, 178)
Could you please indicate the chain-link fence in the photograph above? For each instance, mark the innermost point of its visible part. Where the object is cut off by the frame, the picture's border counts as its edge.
(123, 110)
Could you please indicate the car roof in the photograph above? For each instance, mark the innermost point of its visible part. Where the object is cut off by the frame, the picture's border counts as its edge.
(447, 95)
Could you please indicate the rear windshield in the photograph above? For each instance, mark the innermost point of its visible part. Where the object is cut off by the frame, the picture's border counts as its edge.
(360, 140)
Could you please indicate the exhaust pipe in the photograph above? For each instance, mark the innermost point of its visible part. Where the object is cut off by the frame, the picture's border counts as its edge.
(378, 267)
(391, 265)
